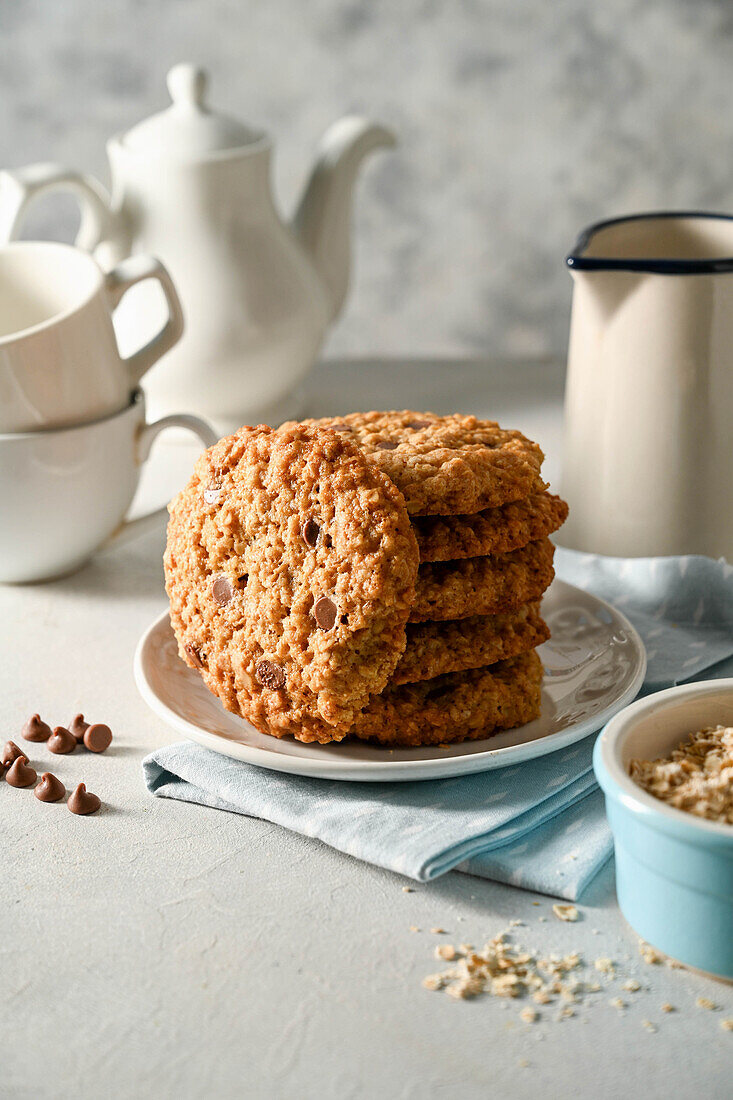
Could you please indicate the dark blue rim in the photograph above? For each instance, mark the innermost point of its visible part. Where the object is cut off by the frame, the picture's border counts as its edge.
(576, 261)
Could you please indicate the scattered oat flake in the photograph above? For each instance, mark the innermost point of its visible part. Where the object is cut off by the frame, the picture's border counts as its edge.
(516, 923)
(408, 889)
(565, 1013)
(465, 948)
(523, 1063)
(565, 912)
(650, 954)
(542, 997)
(438, 931)
(445, 951)
(605, 966)
(667, 1007)
(705, 1002)
(542, 919)
(433, 981)
(535, 903)
(616, 1002)
(631, 986)
(464, 989)
(648, 1025)
(727, 1024)
(414, 928)
(529, 1015)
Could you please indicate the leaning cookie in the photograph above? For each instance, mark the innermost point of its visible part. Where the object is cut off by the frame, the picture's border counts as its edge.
(483, 586)
(290, 568)
(461, 706)
(493, 531)
(445, 465)
(436, 648)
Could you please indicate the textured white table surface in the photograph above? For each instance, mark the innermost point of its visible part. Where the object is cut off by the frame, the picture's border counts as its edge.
(163, 949)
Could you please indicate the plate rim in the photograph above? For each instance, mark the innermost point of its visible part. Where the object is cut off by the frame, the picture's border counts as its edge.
(395, 771)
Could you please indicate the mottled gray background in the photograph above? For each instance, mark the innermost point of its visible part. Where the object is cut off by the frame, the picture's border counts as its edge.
(519, 122)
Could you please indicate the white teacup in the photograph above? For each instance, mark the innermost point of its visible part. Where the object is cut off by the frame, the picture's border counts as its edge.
(65, 491)
(59, 360)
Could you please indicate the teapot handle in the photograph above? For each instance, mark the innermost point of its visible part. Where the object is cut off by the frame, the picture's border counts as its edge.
(21, 186)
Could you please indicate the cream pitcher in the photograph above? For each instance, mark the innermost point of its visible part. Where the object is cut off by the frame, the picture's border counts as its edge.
(648, 446)
(192, 186)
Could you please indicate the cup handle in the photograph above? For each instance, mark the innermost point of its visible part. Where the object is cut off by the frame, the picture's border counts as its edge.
(131, 528)
(118, 281)
(21, 186)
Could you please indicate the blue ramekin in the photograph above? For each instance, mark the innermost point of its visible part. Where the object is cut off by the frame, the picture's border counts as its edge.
(674, 871)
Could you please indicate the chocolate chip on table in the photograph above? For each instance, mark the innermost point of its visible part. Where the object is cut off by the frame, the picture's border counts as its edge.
(324, 612)
(50, 789)
(310, 532)
(270, 675)
(387, 445)
(36, 730)
(78, 727)
(98, 737)
(20, 774)
(221, 590)
(194, 653)
(11, 752)
(82, 801)
(61, 741)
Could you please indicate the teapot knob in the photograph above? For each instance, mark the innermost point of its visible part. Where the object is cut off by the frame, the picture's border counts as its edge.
(187, 84)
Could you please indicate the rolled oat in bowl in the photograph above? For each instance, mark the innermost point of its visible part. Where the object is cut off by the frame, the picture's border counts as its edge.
(697, 776)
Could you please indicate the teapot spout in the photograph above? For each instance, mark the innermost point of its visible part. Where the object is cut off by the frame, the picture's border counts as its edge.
(322, 220)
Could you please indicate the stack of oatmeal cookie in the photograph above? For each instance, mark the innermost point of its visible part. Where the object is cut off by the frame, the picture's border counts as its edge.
(375, 576)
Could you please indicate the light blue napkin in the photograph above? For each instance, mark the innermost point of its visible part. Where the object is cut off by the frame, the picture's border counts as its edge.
(539, 825)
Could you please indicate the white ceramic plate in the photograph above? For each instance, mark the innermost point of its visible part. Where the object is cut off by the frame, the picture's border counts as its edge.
(594, 665)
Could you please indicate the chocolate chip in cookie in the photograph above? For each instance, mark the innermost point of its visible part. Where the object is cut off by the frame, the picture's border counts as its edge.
(270, 675)
(324, 612)
(310, 530)
(195, 655)
(221, 590)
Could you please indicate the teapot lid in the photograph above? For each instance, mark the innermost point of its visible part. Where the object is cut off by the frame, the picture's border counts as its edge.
(188, 128)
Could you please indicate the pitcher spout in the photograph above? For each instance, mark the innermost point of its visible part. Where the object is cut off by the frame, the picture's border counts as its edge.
(322, 221)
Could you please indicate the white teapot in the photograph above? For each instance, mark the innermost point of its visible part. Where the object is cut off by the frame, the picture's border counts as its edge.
(192, 187)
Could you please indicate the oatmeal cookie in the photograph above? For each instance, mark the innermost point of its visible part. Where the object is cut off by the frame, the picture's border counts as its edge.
(290, 568)
(445, 465)
(436, 648)
(493, 531)
(483, 586)
(460, 706)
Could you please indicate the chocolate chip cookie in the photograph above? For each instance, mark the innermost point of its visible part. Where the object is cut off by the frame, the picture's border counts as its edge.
(483, 586)
(460, 706)
(493, 531)
(436, 648)
(290, 568)
(445, 465)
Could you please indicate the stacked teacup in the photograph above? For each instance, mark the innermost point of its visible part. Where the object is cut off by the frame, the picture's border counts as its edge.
(73, 435)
